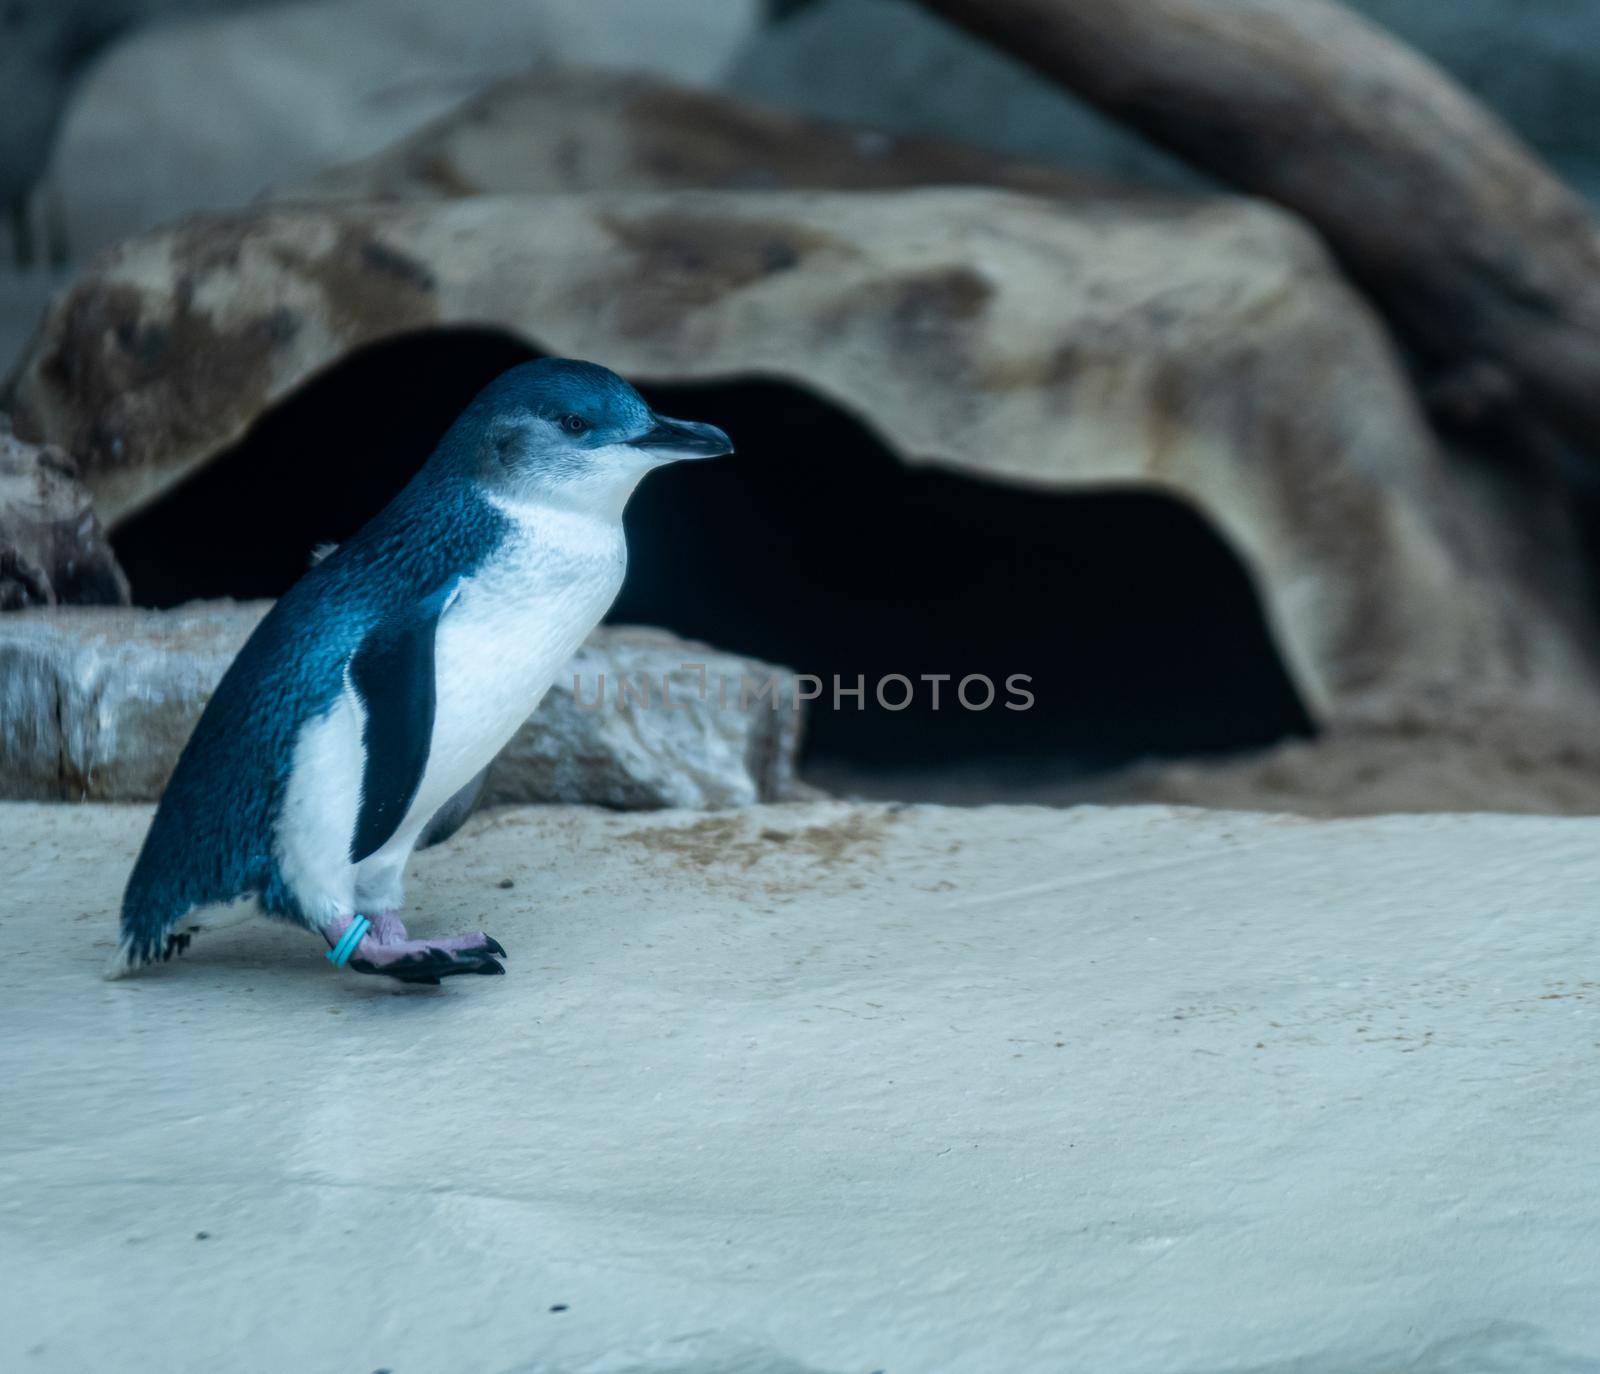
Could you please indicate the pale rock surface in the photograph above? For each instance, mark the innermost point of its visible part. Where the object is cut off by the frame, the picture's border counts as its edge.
(816, 1089)
(44, 50)
(206, 114)
(96, 704)
(1205, 348)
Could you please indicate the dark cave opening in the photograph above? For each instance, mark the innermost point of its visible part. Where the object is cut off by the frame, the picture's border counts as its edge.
(814, 547)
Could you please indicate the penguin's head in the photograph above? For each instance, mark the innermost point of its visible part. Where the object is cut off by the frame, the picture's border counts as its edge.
(574, 432)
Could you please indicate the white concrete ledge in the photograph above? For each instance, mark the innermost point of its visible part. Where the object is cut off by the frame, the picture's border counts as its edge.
(814, 1089)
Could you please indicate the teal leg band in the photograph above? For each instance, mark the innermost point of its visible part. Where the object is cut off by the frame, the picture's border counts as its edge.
(340, 954)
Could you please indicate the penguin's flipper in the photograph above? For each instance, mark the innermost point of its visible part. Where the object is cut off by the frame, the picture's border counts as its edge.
(393, 671)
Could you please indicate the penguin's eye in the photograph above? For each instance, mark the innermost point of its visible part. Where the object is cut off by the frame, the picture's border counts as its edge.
(574, 424)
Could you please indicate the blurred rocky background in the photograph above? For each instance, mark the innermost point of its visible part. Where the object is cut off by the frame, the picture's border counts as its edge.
(1227, 367)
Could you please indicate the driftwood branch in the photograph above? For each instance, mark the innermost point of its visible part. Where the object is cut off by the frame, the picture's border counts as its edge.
(1483, 259)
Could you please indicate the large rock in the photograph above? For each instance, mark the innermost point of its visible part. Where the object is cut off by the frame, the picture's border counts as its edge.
(97, 704)
(285, 90)
(1201, 347)
(824, 1090)
(52, 548)
(43, 50)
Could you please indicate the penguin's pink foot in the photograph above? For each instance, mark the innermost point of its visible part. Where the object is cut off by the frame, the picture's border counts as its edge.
(386, 950)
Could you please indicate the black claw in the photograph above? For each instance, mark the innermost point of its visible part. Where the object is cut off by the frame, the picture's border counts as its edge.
(494, 947)
(431, 967)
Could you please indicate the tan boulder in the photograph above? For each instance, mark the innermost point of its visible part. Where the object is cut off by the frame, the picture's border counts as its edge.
(97, 704)
(1204, 348)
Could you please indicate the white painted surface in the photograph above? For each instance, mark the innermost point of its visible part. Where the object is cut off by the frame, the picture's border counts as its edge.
(999, 1090)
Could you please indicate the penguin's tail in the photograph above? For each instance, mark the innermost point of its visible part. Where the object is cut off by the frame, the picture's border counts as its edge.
(154, 933)
(149, 934)
(155, 922)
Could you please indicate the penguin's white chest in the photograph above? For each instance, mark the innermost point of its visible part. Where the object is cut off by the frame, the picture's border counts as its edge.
(512, 627)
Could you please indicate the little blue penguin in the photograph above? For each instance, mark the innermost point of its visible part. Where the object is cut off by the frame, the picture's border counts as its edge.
(359, 717)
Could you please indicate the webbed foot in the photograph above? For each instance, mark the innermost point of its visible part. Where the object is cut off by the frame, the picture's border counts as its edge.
(387, 950)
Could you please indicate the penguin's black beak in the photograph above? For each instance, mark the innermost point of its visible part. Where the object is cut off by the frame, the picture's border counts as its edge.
(683, 439)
